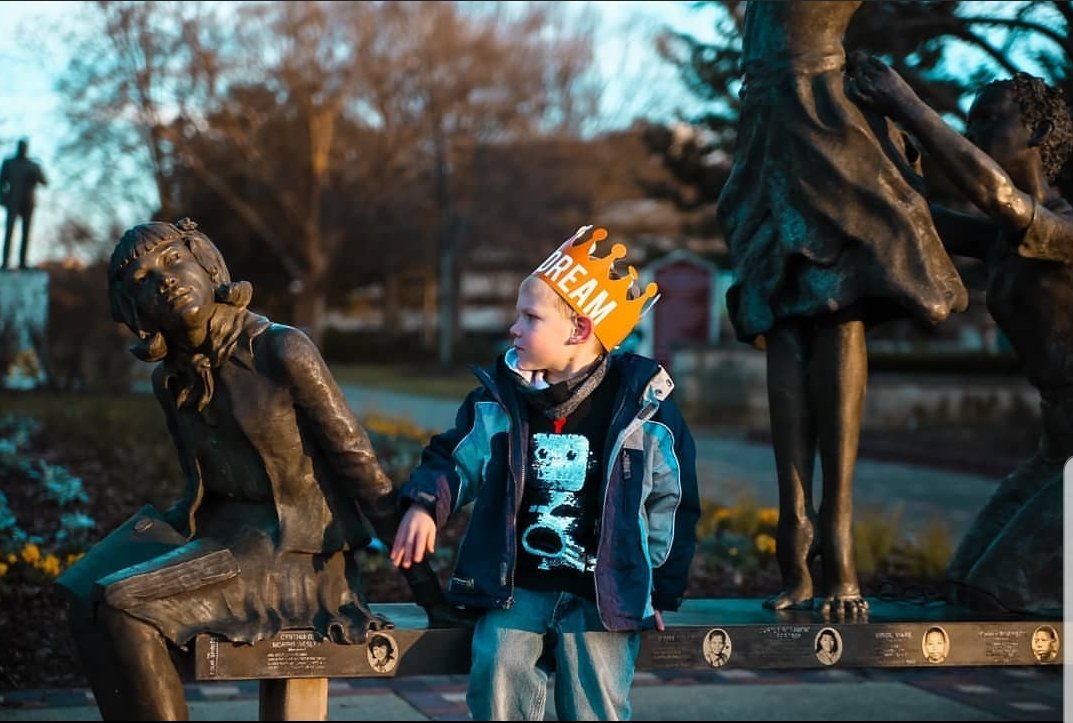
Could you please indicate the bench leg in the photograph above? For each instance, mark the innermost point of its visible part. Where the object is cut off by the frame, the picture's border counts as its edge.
(294, 699)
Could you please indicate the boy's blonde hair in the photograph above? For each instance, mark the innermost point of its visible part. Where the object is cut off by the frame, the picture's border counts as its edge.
(533, 282)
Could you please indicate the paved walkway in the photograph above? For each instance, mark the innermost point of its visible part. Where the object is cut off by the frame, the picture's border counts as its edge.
(982, 693)
(968, 694)
(731, 469)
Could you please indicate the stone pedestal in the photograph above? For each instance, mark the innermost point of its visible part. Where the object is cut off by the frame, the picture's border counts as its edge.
(23, 323)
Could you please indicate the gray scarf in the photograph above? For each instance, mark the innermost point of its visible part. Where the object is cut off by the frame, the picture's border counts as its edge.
(559, 400)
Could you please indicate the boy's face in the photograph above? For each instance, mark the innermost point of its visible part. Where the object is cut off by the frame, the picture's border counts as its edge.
(541, 331)
(996, 127)
(170, 288)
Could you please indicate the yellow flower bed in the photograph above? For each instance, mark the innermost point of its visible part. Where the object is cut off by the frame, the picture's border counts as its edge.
(31, 560)
(745, 533)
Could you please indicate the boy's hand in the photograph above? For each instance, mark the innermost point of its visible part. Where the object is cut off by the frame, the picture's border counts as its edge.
(659, 621)
(415, 537)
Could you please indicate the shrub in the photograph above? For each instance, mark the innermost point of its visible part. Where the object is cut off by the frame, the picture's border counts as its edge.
(741, 536)
(40, 553)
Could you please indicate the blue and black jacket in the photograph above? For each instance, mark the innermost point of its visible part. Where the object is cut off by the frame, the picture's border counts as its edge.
(646, 532)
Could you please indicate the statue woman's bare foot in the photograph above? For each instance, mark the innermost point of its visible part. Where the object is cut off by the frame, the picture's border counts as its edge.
(844, 605)
(796, 549)
(796, 598)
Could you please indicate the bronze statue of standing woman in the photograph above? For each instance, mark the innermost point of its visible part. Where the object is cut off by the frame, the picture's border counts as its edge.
(828, 235)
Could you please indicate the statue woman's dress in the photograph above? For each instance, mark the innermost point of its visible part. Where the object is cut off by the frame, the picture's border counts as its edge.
(820, 210)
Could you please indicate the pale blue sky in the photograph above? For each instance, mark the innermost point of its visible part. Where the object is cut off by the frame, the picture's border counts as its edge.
(639, 83)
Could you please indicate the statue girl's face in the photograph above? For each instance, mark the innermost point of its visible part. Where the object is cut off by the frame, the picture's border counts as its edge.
(172, 291)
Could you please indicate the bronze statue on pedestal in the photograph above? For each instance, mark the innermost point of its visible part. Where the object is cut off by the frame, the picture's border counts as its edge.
(19, 178)
(282, 485)
(1018, 137)
(828, 235)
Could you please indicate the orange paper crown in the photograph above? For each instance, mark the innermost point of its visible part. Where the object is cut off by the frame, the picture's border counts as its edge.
(586, 284)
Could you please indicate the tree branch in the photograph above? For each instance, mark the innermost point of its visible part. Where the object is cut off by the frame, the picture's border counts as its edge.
(248, 213)
(1027, 25)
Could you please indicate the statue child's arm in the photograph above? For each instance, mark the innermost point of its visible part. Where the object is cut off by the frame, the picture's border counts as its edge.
(179, 514)
(1049, 237)
(323, 409)
(964, 234)
(983, 181)
(321, 404)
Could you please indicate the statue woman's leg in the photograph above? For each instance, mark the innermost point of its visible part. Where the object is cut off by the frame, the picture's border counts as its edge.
(839, 376)
(793, 434)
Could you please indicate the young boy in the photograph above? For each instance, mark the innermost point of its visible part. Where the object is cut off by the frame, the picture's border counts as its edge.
(582, 476)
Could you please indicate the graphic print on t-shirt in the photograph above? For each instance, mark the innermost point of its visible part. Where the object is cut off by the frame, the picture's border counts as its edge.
(560, 463)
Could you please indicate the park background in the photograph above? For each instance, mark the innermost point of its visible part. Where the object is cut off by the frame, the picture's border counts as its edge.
(384, 173)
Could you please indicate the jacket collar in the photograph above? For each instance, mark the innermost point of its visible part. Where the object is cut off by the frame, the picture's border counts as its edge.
(253, 326)
(644, 380)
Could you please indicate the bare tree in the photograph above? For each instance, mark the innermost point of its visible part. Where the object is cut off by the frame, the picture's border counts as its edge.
(471, 75)
(418, 84)
(129, 69)
(917, 38)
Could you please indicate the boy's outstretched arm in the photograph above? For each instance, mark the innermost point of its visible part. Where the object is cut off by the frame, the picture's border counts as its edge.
(415, 537)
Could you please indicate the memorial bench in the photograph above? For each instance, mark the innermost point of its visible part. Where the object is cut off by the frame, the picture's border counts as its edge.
(293, 667)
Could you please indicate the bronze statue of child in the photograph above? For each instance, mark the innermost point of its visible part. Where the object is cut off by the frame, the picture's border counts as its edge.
(1018, 136)
(282, 484)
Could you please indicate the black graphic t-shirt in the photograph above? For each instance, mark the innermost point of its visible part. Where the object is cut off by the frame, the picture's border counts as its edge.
(562, 497)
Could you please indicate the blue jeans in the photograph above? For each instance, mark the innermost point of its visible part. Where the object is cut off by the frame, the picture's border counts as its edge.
(594, 668)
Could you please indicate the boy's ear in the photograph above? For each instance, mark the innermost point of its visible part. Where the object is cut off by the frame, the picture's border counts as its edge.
(583, 330)
(1040, 134)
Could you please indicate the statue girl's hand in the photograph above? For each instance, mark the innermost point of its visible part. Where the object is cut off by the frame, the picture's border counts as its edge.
(875, 84)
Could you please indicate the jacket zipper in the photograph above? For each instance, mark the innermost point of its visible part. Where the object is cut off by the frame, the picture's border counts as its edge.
(609, 470)
(518, 489)
(493, 389)
(644, 412)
